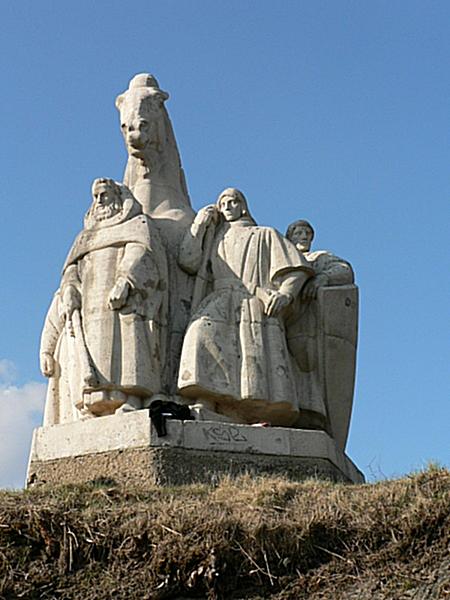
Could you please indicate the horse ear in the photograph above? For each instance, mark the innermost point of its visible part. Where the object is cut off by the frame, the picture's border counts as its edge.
(119, 101)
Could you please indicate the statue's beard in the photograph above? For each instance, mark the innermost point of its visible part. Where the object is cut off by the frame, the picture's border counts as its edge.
(102, 213)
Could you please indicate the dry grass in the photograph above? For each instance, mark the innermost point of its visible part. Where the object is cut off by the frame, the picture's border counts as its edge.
(245, 538)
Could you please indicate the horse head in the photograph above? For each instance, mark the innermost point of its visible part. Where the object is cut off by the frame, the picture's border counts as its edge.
(153, 157)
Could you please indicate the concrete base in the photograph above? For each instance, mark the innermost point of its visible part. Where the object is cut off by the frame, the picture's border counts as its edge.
(127, 449)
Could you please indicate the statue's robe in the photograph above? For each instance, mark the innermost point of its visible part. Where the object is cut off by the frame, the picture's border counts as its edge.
(302, 319)
(58, 406)
(233, 353)
(337, 270)
(125, 347)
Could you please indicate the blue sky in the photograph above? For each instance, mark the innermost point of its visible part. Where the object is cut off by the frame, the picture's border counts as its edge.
(334, 111)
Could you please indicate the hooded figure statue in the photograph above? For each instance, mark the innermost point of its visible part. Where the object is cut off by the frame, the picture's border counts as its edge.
(103, 344)
(235, 361)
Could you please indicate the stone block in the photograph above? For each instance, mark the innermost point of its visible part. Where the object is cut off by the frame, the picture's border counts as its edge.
(127, 449)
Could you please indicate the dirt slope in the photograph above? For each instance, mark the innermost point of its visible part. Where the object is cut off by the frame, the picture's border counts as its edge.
(242, 539)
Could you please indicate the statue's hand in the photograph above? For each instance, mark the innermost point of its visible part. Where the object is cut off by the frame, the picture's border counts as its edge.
(47, 364)
(71, 301)
(119, 294)
(277, 302)
(311, 287)
(205, 215)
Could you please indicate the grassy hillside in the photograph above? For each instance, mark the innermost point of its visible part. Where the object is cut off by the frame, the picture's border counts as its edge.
(244, 538)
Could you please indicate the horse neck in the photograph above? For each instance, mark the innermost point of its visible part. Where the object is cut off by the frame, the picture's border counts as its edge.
(153, 187)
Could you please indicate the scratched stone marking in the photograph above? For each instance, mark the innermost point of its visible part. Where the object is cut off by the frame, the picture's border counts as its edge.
(223, 434)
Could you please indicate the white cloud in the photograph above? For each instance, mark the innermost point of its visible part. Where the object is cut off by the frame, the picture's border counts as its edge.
(20, 412)
(8, 372)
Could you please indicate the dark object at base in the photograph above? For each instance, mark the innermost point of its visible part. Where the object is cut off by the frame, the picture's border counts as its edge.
(160, 410)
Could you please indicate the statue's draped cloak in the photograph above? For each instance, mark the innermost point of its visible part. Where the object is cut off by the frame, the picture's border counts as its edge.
(302, 318)
(232, 350)
(338, 270)
(126, 347)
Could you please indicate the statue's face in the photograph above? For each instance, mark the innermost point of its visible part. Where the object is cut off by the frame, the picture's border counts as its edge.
(231, 208)
(107, 202)
(302, 237)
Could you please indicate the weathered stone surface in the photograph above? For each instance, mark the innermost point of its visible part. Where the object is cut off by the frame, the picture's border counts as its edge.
(158, 308)
(235, 354)
(105, 333)
(177, 466)
(322, 331)
(155, 176)
(128, 449)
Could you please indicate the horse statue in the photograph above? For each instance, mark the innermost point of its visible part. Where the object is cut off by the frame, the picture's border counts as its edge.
(155, 177)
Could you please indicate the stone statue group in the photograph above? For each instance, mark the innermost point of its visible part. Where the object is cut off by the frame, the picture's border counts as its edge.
(211, 310)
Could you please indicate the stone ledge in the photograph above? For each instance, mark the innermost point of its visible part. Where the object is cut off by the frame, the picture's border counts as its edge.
(126, 447)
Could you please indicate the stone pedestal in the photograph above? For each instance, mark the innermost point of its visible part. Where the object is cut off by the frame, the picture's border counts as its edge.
(126, 449)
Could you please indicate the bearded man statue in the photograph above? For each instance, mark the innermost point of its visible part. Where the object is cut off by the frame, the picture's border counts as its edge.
(104, 339)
